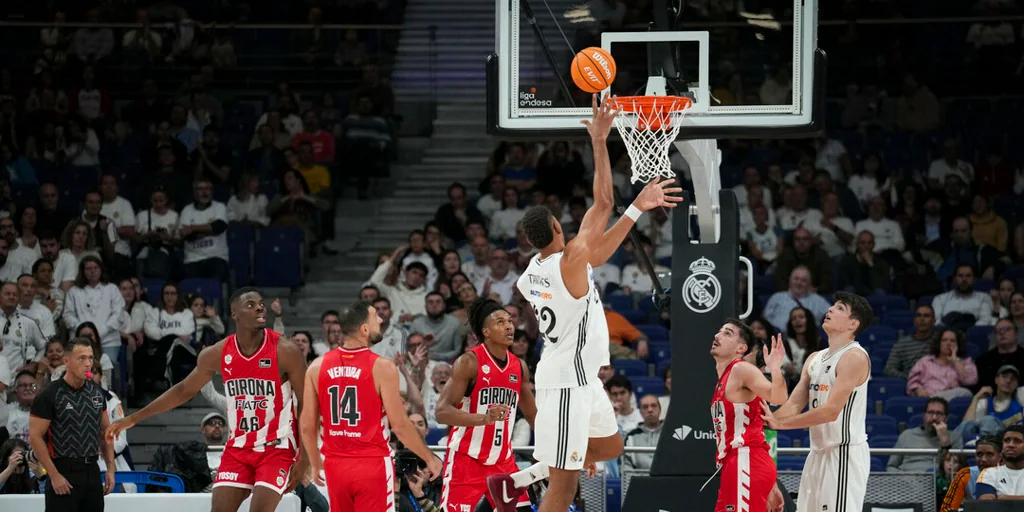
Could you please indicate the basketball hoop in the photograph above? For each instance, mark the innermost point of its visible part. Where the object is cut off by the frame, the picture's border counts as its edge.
(648, 125)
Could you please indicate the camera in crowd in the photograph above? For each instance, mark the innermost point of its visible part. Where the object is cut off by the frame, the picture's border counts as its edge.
(407, 463)
(29, 457)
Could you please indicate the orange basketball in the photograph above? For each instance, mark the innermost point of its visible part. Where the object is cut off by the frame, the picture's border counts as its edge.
(593, 69)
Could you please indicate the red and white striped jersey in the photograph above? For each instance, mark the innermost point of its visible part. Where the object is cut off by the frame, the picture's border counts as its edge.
(493, 385)
(353, 421)
(736, 424)
(261, 407)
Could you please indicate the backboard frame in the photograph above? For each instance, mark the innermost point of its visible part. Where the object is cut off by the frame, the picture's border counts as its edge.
(803, 118)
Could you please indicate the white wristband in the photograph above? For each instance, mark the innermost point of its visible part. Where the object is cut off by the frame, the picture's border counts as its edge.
(633, 212)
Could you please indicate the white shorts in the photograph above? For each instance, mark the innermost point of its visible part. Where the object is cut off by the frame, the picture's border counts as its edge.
(835, 479)
(567, 419)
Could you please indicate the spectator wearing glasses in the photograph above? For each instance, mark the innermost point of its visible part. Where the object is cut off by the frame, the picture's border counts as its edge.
(1005, 352)
(203, 225)
(933, 433)
(15, 415)
(1005, 482)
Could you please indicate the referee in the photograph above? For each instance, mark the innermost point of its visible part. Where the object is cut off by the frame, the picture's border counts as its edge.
(66, 428)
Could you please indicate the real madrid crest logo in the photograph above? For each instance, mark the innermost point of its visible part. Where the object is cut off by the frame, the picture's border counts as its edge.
(702, 291)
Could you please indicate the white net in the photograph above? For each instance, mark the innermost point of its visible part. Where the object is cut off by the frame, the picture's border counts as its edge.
(648, 126)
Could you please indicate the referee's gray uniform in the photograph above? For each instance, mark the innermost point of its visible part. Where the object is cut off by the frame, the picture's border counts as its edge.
(74, 442)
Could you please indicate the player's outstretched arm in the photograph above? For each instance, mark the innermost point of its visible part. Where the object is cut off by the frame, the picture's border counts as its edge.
(656, 194)
(309, 420)
(385, 376)
(293, 362)
(207, 366)
(798, 399)
(774, 391)
(852, 370)
(448, 410)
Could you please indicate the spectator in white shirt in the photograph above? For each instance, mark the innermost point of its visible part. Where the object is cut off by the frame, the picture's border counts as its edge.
(248, 205)
(1005, 482)
(392, 340)
(202, 226)
(755, 199)
(949, 164)
(48, 294)
(83, 146)
(777, 89)
(751, 179)
(94, 43)
(443, 333)
(795, 212)
(408, 296)
(21, 340)
(889, 241)
(968, 306)
(418, 252)
(763, 241)
(834, 232)
(65, 265)
(494, 200)
(865, 184)
(29, 308)
(118, 211)
(327, 318)
(620, 391)
(105, 234)
(832, 157)
(157, 230)
(95, 299)
(170, 323)
(133, 316)
(505, 220)
(501, 280)
(78, 241)
(478, 268)
(18, 258)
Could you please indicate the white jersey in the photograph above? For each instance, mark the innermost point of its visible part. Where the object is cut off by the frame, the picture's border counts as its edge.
(849, 427)
(574, 331)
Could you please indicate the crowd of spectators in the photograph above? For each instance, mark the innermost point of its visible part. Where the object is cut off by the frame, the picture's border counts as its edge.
(133, 171)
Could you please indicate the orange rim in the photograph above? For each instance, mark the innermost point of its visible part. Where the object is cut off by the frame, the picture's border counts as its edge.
(646, 104)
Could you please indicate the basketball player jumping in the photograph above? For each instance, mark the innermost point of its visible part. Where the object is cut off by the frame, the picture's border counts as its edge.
(575, 420)
(261, 369)
(353, 395)
(834, 381)
(479, 402)
(748, 482)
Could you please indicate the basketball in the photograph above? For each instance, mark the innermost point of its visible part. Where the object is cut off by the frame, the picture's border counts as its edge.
(593, 69)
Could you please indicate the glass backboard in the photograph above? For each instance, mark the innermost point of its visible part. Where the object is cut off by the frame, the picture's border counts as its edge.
(749, 74)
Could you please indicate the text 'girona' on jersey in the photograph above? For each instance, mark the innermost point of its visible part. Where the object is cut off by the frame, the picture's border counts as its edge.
(736, 424)
(493, 385)
(261, 406)
(353, 420)
(849, 428)
(574, 331)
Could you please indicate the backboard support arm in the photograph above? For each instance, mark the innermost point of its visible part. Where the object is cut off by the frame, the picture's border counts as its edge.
(704, 159)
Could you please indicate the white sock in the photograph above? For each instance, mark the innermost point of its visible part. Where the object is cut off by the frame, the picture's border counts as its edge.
(528, 476)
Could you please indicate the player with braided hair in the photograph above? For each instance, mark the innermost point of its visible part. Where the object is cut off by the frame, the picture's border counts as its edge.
(479, 402)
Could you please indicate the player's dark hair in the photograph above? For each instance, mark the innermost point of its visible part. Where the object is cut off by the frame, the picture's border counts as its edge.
(992, 441)
(77, 341)
(746, 333)
(537, 225)
(1012, 428)
(242, 291)
(354, 317)
(24, 373)
(940, 400)
(385, 300)
(479, 310)
(618, 381)
(860, 309)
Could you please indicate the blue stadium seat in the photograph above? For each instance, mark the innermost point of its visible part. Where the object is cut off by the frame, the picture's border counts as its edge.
(900, 320)
(154, 289)
(278, 257)
(648, 386)
(791, 462)
(209, 289)
(877, 366)
(876, 333)
(240, 244)
(881, 426)
(144, 479)
(984, 285)
(654, 332)
(661, 366)
(882, 441)
(659, 351)
(882, 388)
(915, 421)
(974, 351)
(435, 434)
(613, 495)
(925, 300)
(884, 303)
(958, 407)
(784, 441)
(634, 316)
(631, 368)
(903, 407)
(764, 284)
(878, 464)
(979, 335)
(619, 303)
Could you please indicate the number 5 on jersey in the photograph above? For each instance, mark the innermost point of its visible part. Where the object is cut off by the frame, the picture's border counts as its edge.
(344, 405)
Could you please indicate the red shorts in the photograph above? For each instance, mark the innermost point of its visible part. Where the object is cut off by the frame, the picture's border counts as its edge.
(464, 482)
(245, 468)
(360, 483)
(748, 476)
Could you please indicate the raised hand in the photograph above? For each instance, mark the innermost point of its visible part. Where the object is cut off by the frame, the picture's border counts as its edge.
(658, 193)
(774, 359)
(496, 413)
(601, 123)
